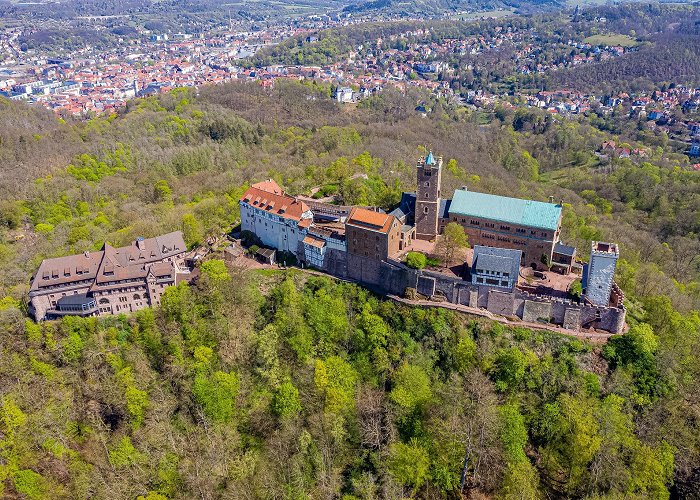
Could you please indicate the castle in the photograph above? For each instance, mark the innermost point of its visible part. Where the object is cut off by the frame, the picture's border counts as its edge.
(365, 245)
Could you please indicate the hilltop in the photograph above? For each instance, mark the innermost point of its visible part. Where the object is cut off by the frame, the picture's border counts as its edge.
(275, 383)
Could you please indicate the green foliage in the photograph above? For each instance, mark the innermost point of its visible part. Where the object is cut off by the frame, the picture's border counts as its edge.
(192, 230)
(508, 368)
(31, 484)
(285, 402)
(215, 270)
(124, 454)
(90, 168)
(416, 260)
(261, 383)
(162, 192)
(216, 395)
(453, 240)
(409, 464)
(411, 388)
(335, 378)
(465, 353)
(634, 352)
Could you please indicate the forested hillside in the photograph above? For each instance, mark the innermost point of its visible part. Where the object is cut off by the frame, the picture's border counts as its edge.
(271, 384)
(677, 55)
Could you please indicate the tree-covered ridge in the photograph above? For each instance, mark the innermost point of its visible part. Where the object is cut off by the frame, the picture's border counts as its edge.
(282, 384)
(666, 34)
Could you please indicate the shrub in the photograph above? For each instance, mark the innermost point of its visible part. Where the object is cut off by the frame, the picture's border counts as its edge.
(249, 239)
(433, 262)
(416, 260)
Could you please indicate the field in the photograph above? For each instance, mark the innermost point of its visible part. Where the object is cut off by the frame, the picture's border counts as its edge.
(612, 39)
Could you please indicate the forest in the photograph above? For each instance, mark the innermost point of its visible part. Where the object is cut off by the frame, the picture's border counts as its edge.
(280, 384)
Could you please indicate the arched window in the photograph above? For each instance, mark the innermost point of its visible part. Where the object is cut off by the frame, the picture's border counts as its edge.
(425, 210)
(136, 296)
(104, 301)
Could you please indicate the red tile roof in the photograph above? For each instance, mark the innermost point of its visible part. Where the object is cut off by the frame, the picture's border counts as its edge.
(268, 196)
(315, 242)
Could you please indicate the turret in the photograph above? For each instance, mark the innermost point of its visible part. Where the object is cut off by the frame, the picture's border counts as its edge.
(599, 272)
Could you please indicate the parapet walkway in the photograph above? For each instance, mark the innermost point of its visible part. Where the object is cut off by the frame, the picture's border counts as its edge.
(598, 337)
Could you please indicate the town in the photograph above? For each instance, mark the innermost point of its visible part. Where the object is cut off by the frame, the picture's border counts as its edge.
(517, 265)
(86, 81)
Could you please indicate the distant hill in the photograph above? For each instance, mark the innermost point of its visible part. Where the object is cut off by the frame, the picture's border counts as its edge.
(437, 7)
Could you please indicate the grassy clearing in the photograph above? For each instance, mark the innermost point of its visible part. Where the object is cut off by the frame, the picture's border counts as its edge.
(612, 39)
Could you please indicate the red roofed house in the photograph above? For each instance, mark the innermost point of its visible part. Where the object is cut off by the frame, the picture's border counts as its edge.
(275, 217)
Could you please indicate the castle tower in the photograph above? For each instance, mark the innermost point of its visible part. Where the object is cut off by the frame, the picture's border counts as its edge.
(429, 178)
(599, 272)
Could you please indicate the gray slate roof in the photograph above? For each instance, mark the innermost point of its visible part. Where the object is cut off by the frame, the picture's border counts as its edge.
(502, 260)
(562, 249)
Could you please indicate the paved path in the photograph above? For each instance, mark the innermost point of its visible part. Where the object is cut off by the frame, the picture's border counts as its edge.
(592, 336)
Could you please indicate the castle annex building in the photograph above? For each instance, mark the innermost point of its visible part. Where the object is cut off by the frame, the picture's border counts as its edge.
(111, 281)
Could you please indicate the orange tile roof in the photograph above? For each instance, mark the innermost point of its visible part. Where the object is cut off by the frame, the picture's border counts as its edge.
(368, 219)
(269, 185)
(315, 242)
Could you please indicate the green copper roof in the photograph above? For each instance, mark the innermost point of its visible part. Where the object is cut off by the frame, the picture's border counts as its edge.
(430, 160)
(512, 210)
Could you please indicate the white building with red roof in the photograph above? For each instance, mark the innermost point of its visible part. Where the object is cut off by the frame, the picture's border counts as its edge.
(279, 220)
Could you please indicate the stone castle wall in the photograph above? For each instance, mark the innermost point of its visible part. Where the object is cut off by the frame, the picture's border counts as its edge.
(395, 278)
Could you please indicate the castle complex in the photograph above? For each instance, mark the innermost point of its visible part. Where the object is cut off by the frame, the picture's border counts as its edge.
(365, 245)
(515, 243)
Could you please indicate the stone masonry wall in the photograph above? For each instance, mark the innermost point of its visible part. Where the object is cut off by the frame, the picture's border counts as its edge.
(394, 277)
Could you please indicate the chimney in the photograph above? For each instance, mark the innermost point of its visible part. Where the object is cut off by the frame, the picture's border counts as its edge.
(561, 202)
(87, 254)
(140, 243)
(551, 199)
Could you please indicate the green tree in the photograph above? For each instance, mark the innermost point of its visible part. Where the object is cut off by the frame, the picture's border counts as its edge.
(192, 231)
(409, 464)
(411, 388)
(335, 378)
(285, 402)
(162, 192)
(216, 395)
(452, 240)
